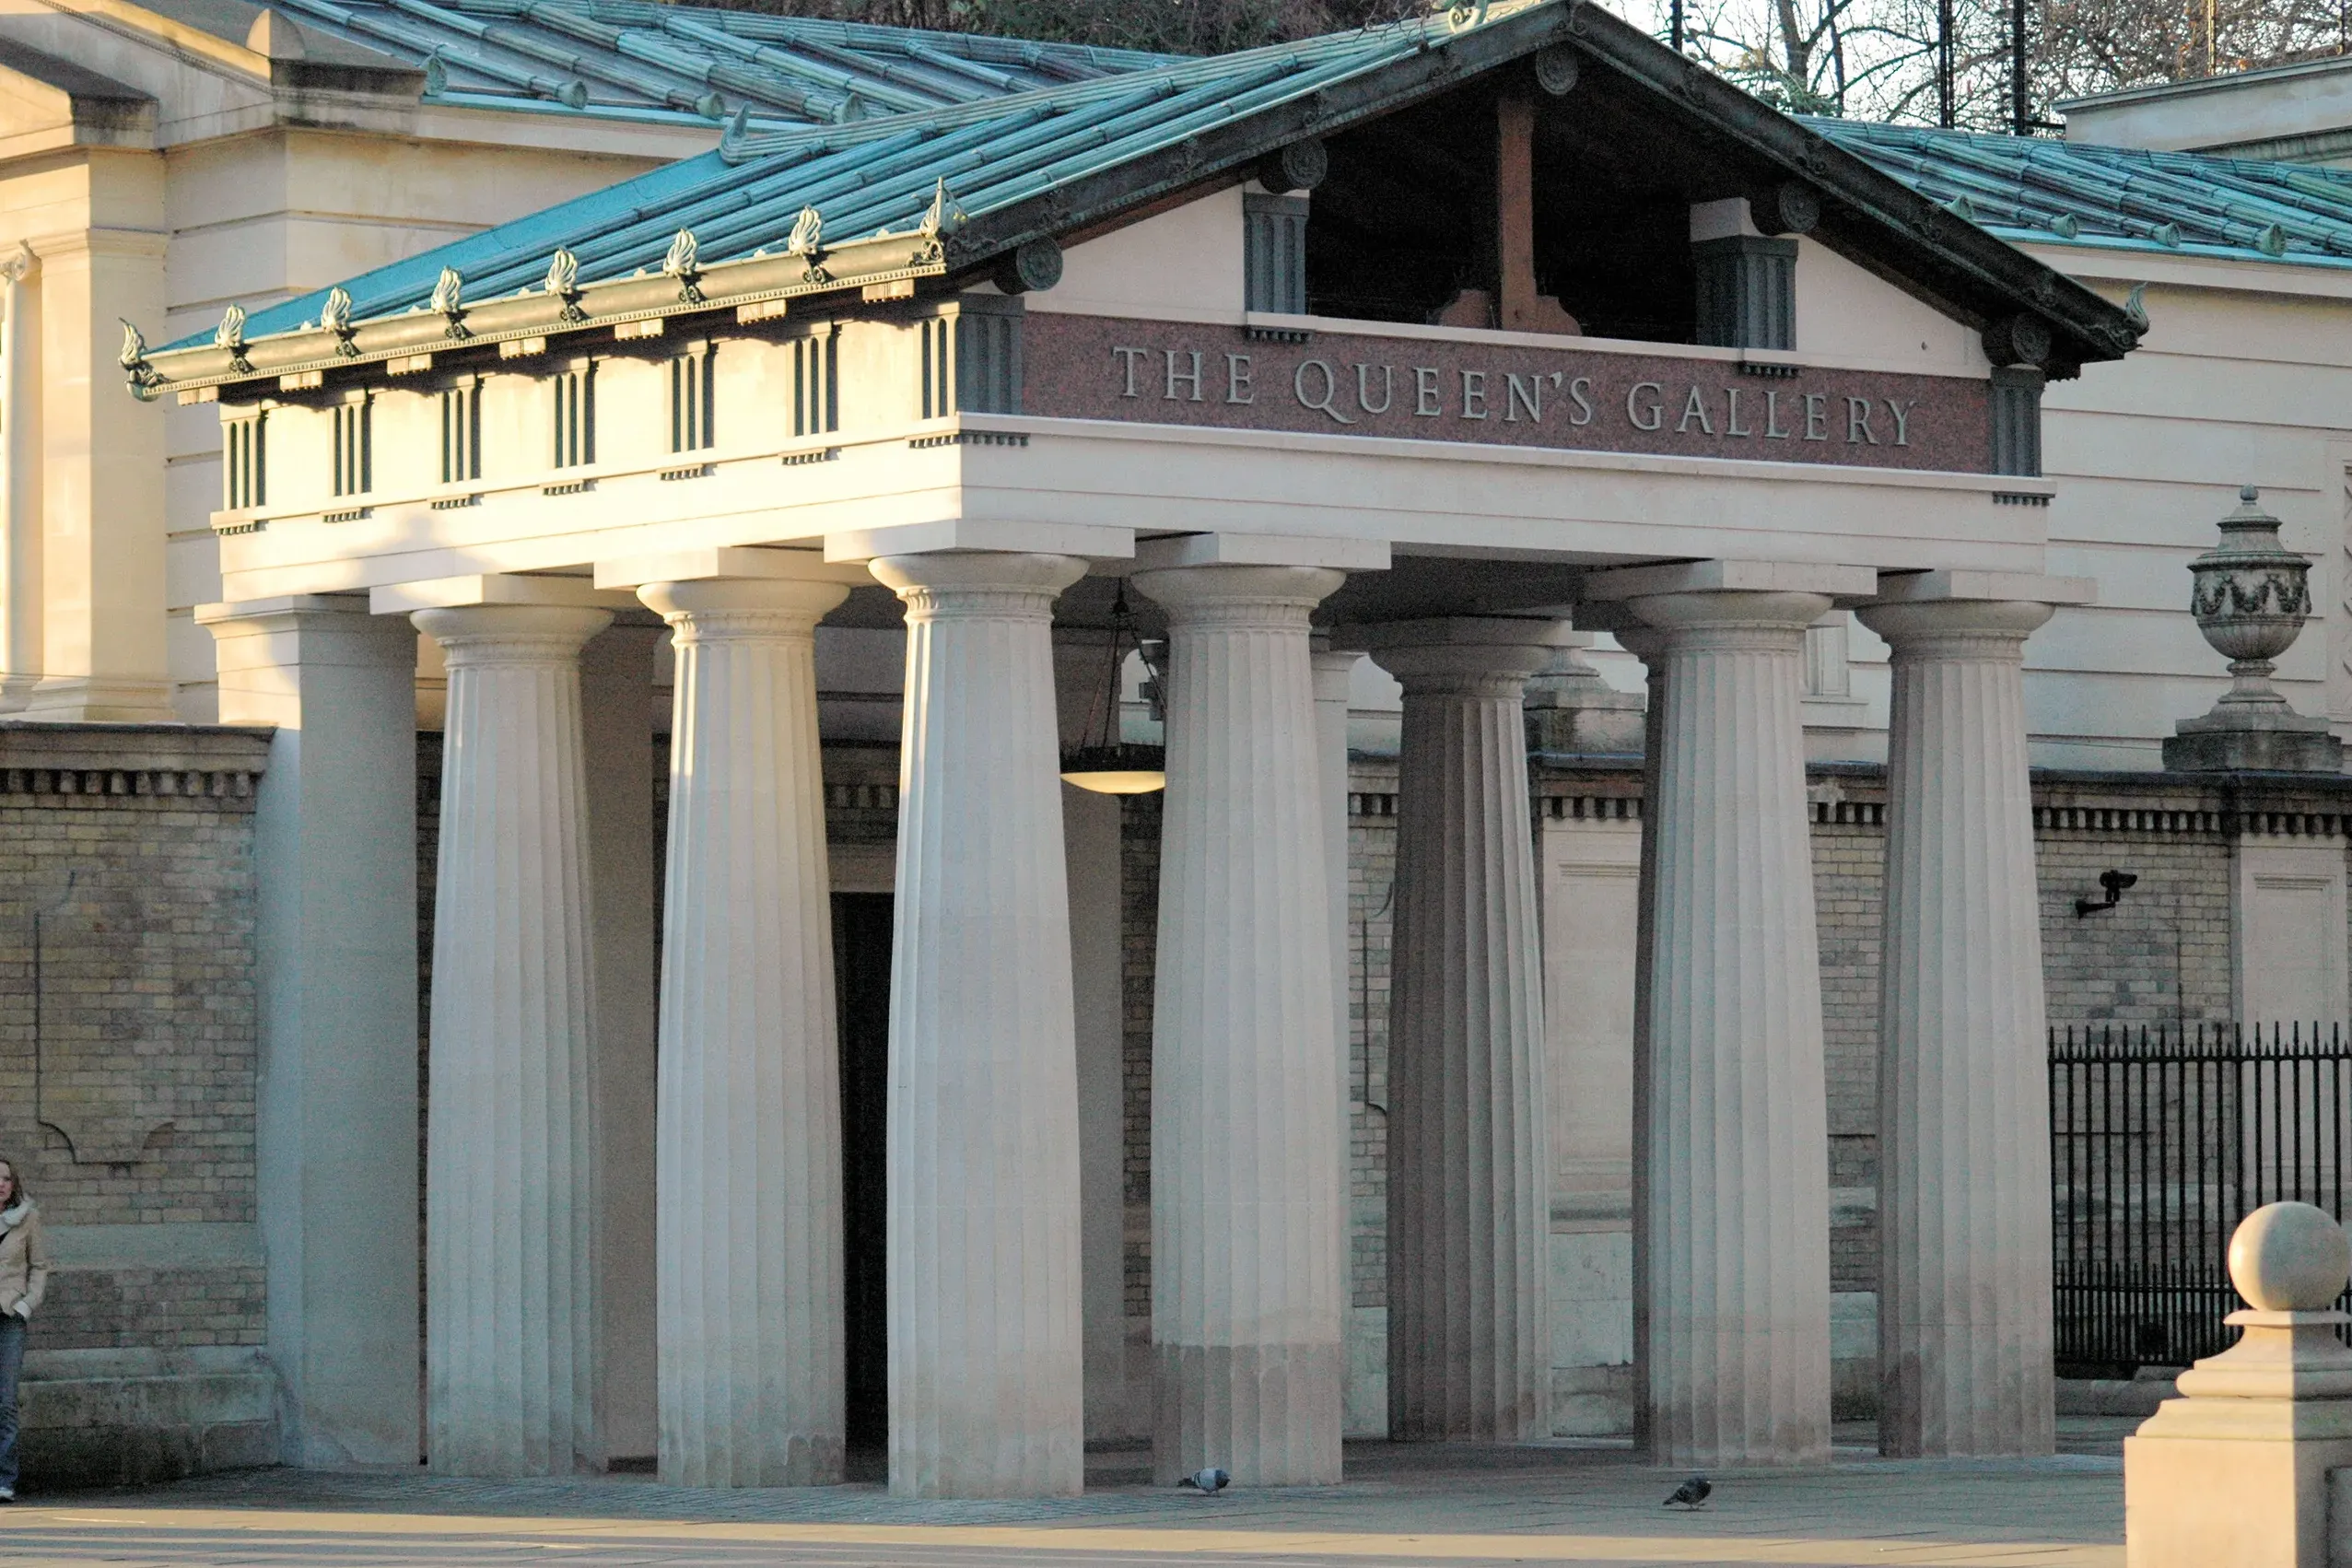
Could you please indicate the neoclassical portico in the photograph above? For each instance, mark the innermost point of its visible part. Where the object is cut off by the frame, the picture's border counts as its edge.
(954, 430)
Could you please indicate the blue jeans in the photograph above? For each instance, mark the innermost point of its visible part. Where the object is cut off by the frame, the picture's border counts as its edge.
(12, 1361)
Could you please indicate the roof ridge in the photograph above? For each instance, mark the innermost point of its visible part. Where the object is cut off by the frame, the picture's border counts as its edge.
(1181, 72)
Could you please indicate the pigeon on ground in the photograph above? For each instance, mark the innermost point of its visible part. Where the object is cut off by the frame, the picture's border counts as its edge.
(1692, 1494)
(1206, 1481)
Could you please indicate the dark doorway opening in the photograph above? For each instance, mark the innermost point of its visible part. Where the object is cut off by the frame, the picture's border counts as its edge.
(862, 938)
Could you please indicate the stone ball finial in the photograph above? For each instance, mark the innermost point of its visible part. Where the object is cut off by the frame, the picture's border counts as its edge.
(2249, 494)
(2289, 1257)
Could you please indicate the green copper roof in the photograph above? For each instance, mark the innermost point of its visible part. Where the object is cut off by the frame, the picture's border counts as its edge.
(634, 59)
(2030, 190)
(873, 175)
(948, 193)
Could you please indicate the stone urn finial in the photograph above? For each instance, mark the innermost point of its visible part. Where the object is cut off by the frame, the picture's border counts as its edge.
(2250, 599)
(2251, 596)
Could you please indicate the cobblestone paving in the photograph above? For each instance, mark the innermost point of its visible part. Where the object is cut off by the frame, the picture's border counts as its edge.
(1453, 1506)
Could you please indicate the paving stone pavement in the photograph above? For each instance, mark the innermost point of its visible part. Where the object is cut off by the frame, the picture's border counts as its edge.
(1581, 1505)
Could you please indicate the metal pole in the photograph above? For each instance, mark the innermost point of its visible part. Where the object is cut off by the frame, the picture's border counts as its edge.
(2020, 108)
(1946, 110)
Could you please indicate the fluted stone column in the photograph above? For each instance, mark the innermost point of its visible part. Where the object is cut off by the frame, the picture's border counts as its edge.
(1964, 1351)
(1248, 1219)
(986, 1354)
(1333, 674)
(749, 1142)
(1648, 645)
(1735, 1199)
(511, 1249)
(1469, 1335)
(616, 703)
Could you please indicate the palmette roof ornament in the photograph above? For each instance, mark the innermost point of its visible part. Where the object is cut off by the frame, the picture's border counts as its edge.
(808, 243)
(143, 378)
(681, 264)
(230, 335)
(449, 292)
(335, 317)
(808, 233)
(563, 283)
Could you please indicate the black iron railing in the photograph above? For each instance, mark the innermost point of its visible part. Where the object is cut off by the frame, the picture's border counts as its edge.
(2161, 1140)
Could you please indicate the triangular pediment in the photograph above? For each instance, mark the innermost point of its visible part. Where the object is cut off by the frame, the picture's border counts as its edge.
(1624, 139)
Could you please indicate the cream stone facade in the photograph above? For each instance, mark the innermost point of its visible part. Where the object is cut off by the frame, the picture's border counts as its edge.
(159, 162)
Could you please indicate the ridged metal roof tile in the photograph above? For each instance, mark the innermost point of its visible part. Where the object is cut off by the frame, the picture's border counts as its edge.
(627, 57)
(2030, 190)
(1057, 157)
(872, 175)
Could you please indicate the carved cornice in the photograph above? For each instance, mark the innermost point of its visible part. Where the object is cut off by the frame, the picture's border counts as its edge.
(223, 786)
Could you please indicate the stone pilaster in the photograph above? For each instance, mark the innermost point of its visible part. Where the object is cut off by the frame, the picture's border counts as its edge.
(20, 515)
(1964, 1351)
(749, 1142)
(1248, 1218)
(1734, 1220)
(986, 1355)
(335, 1006)
(511, 1241)
(1470, 1335)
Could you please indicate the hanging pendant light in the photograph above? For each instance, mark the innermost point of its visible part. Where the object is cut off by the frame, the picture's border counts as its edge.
(1105, 764)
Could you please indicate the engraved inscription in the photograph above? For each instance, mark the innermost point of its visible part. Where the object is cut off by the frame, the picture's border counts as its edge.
(1566, 397)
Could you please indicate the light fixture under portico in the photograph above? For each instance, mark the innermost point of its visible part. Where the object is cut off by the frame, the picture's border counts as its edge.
(1109, 766)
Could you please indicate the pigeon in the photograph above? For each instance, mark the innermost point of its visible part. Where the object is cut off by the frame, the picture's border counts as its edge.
(1209, 1480)
(1692, 1494)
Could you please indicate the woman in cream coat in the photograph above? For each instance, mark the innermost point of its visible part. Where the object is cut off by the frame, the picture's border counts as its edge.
(24, 1276)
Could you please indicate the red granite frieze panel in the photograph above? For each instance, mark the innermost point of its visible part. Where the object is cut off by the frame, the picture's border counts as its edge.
(1566, 397)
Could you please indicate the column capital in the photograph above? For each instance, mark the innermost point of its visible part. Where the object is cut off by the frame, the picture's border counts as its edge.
(268, 649)
(1910, 588)
(1276, 598)
(702, 610)
(1644, 643)
(1727, 617)
(1848, 583)
(485, 589)
(1484, 655)
(342, 616)
(977, 584)
(1333, 669)
(1956, 627)
(241, 612)
(1226, 549)
(727, 561)
(511, 634)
